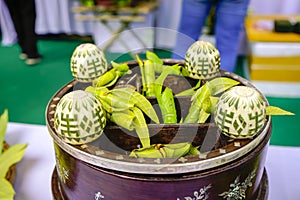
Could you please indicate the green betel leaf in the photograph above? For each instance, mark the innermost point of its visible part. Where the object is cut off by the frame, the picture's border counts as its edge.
(200, 94)
(193, 151)
(3, 125)
(273, 110)
(203, 116)
(7, 191)
(154, 58)
(193, 114)
(11, 156)
(185, 72)
(141, 127)
(176, 150)
(167, 70)
(123, 119)
(221, 84)
(138, 100)
(213, 101)
(138, 60)
(157, 62)
(149, 152)
(141, 66)
(149, 77)
(167, 106)
(122, 68)
(190, 91)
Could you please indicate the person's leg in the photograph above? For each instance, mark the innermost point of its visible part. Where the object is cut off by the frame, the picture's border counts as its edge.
(28, 14)
(14, 7)
(230, 15)
(193, 18)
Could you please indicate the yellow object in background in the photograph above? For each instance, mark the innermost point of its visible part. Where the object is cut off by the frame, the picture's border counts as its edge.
(273, 56)
(259, 28)
(282, 69)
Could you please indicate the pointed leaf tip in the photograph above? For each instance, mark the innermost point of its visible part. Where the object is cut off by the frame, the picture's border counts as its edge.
(273, 110)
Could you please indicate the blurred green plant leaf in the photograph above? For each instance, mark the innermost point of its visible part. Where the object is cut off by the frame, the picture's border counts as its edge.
(7, 191)
(3, 126)
(11, 156)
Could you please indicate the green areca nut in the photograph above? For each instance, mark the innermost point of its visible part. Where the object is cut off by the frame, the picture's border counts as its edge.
(88, 62)
(202, 60)
(240, 112)
(79, 117)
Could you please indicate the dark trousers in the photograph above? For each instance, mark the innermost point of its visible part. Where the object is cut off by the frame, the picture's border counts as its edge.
(23, 15)
(230, 15)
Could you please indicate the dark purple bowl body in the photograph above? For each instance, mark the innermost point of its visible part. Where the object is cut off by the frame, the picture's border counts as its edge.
(225, 169)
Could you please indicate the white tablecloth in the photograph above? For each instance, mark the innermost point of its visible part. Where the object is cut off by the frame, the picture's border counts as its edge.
(34, 171)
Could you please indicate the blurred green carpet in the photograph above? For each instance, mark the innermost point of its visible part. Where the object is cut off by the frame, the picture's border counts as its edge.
(25, 91)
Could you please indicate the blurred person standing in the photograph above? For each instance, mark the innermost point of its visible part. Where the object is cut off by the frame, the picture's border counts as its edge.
(23, 15)
(229, 20)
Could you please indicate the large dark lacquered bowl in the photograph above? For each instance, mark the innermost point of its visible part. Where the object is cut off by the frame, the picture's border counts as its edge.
(225, 169)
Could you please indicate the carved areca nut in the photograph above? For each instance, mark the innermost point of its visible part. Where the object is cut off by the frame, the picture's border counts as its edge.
(202, 60)
(79, 118)
(240, 112)
(88, 62)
